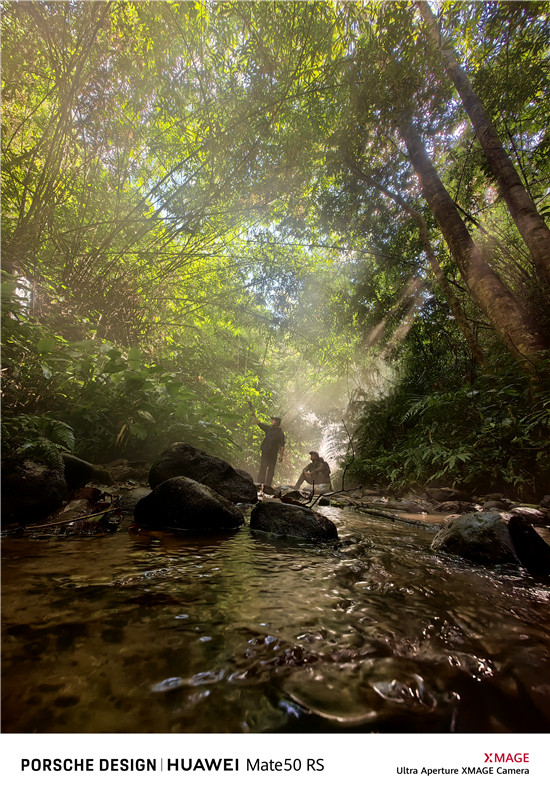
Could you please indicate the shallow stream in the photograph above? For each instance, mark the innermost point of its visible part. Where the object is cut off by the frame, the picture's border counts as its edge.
(156, 632)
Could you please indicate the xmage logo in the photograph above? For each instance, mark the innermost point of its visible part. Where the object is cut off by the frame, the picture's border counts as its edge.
(506, 757)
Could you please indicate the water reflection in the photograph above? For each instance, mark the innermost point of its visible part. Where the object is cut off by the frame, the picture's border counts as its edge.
(236, 633)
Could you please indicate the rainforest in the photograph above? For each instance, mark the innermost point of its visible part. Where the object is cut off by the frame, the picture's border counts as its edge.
(225, 218)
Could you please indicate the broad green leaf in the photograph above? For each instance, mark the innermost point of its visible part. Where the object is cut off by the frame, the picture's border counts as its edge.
(46, 345)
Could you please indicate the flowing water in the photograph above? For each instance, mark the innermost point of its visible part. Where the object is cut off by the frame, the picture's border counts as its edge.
(156, 632)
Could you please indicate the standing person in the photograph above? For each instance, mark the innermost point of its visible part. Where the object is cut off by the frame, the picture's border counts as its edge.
(317, 472)
(272, 445)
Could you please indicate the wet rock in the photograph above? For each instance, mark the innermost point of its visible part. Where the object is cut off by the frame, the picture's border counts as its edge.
(245, 474)
(531, 549)
(293, 494)
(403, 505)
(342, 501)
(492, 538)
(90, 493)
(185, 504)
(532, 515)
(481, 537)
(122, 470)
(451, 518)
(319, 488)
(445, 494)
(190, 462)
(457, 506)
(79, 472)
(293, 521)
(31, 489)
(129, 498)
(496, 505)
(286, 498)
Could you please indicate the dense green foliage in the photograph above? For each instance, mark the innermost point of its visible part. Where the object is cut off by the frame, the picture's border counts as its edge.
(207, 205)
(443, 423)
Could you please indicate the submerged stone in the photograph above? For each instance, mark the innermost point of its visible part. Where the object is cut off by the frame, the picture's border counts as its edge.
(292, 521)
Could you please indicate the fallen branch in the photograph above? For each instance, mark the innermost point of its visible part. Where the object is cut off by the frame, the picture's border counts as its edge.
(331, 494)
(392, 517)
(68, 521)
(365, 509)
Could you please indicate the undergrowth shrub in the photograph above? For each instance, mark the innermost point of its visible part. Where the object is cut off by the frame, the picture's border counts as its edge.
(117, 402)
(492, 434)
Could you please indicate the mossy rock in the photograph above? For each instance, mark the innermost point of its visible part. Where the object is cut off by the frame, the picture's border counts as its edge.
(31, 488)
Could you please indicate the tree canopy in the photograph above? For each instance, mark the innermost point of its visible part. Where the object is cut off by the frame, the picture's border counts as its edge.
(335, 211)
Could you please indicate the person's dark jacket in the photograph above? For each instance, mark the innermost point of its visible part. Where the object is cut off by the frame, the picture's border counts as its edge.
(274, 438)
(319, 470)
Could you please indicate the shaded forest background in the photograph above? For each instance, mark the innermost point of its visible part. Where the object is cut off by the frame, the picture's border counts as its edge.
(334, 211)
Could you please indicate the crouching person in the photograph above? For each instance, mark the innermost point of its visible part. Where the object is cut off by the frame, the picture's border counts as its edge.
(316, 473)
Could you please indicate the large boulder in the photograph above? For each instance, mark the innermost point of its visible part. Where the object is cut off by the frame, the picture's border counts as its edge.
(129, 498)
(31, 489)
(482, 537)
(79, 472)
(531, 549)
(182, 459)
(246, 475)
(293, 521)
(492, 538)
(182, 503)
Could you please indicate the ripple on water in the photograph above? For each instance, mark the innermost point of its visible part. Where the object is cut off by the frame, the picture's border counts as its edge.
(197, 680)
(372, 693)
(243, 634)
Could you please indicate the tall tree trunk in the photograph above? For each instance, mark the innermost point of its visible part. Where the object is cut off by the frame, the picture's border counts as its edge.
(510, 320)
(530, 224)
(447, 290)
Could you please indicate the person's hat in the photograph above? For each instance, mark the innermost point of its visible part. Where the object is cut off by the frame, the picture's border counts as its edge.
(278, 419)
